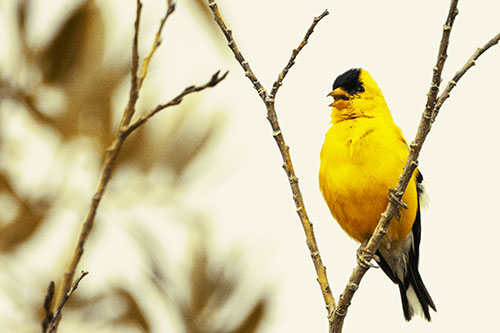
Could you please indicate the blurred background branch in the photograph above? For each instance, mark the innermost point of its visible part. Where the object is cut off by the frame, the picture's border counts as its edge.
(198, 170)
(62, 97)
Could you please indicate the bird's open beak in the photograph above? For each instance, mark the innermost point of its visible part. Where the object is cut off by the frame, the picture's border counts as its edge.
(338, 94)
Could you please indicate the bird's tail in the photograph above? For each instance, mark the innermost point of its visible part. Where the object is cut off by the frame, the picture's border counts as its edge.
(414, 296)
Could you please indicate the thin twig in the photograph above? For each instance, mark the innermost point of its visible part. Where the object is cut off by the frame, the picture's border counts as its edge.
(47, 303)
(432, 107)
(458, 75)
(442, 56)
(295, 52)
(268, 100)
(134, 86)
(214, 80)
(124, 130)
(156, 42)
(111, 154)
(56, 316)
(392, 207)
(236, 51)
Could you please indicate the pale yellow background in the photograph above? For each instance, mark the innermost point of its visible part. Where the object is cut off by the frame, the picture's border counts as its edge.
(244, 189)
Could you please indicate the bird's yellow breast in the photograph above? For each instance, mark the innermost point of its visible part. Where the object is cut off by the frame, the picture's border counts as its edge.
(361, 159)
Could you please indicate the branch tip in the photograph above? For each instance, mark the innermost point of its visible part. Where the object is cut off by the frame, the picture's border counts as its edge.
(433, 104)
(125, 128)
(325, 12)
(216, 79)
(268, 99)
(51, 325)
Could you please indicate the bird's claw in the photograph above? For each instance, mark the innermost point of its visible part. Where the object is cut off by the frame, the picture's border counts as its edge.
(363, 261)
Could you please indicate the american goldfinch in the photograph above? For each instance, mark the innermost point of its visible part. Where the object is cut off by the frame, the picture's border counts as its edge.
(362, 157)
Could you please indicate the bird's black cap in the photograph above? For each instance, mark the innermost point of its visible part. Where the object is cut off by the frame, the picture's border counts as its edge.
(349, 81)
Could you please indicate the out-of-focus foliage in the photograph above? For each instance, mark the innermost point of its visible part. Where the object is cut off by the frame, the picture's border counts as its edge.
(72, 63)
(71, 68)
(127, 310)
(212, 287)
(29, 215)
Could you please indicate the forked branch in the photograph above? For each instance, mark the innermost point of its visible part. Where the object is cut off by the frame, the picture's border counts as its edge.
(125, 129)
(431, 110)
(51, 319)
(268, 100)
(336, 314)
(458, 75)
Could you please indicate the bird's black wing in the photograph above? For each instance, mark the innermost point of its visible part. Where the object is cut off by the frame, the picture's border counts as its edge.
(412, 276)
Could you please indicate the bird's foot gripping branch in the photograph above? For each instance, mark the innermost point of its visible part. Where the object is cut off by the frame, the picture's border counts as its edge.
(391, 204)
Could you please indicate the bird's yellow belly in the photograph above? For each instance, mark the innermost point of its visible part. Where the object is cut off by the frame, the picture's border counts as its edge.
(355, 179)
(355, 204)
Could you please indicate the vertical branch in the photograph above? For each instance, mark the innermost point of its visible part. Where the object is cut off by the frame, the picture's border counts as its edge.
(52, 324)
(125, 129)
(88, 222)
(432, 107)
(279, 81)
(156, 42)
(111, 155)
(396, 195)
(442, 56)
(284, 149)
(134, 90)
(458, 75)
(236, 51)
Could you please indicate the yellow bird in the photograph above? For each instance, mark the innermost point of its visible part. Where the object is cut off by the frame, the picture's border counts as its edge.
(362, 157)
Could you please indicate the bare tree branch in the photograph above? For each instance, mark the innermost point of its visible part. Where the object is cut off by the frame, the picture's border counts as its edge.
(134, 87)
(268, 100)
(47, 303)
(277, 84)
(156, 42)
(442, 56)
(112, 152)
(236, 51)
(214, 80)
(53, 318)
(458, 75)
(395, 195)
